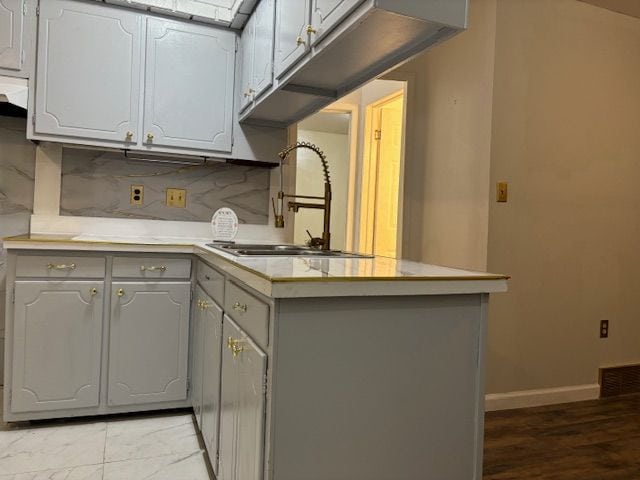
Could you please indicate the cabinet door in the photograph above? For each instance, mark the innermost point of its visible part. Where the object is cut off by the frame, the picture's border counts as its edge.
(11, 33)
(292, 39)
(265, 17)
(242, 406)
(56, 345)
(88, 78)
(148, 344)
(212, 333)
(189, 86)
(196, 358)
(326, 14)
(247, 42)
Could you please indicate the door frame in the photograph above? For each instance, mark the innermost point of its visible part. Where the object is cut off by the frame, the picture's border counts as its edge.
(370, 172)
(352, 186)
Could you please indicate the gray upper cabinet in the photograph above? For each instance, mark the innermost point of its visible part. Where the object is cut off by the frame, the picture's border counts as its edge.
(88, 71)
(56, 345)
(242, 406)
(292, 38)
(257, 53)
(325, 14)
(263, 51)
(247, 42)
(12, 19)
(189, 86)
(149, 340)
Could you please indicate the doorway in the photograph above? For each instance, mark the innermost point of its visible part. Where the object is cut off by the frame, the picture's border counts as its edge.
(381, 176)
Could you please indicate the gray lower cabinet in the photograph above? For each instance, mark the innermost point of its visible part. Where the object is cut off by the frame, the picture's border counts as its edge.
(57, 337)
(12, 20)
(212, 351)
(197, 346)
(149, 341)
(242, 414)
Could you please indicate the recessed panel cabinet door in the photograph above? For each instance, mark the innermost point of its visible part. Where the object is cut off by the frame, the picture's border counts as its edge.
(196, 357)
(189, 86)
(11, 32)
(212, 334)
(56, 345)
(88, 81)
(247, 42)
(292, 39)
(148, 345)
(242, 406)
(326, 14)
(263, 50)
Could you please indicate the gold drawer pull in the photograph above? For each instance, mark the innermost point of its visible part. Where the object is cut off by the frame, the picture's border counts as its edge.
(120, 292)
(311, 30)
(158, 268)
(300, 41)
(149, 137)
(52, 266)
(93, 291)
(238, 307)
(203, 305)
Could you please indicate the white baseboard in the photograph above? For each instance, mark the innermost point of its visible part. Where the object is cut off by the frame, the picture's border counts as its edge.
(537, 398)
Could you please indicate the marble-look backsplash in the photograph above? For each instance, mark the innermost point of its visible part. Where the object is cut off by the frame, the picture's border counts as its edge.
(17, 169)
(98, 184)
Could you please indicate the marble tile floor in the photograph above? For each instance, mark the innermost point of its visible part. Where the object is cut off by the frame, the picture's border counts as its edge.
(126, 447)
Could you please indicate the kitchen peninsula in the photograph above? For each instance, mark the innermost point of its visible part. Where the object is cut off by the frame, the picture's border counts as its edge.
(296, 368)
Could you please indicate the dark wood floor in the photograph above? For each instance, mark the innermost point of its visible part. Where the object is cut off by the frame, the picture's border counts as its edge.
(594, 440)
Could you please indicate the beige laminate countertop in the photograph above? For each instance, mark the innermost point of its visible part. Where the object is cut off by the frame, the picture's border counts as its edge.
(291, 277)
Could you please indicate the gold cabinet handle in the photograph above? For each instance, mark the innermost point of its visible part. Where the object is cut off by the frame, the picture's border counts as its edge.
(199, 304)
(239, 307)
(300, 41)
(150, 137)
(93, 291)
(249, 93)
(235, 347)
(155, 268)
(53, 266)
(120, 292)
(204, 304)
(129, 136)
(311, 30)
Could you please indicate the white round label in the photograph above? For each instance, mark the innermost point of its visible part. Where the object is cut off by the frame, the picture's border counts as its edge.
(224, 225)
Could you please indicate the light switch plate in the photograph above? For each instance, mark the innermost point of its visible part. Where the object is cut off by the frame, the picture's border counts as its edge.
(176, 197)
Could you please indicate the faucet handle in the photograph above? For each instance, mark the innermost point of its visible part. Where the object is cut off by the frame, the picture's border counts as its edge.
(314, 242)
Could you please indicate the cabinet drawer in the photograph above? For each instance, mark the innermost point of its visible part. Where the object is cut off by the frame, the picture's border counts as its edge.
(60, 267)
(151, 267)
(211, 281)
(251, 314)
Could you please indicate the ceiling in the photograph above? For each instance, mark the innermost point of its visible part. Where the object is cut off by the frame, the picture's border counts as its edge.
(628, 7)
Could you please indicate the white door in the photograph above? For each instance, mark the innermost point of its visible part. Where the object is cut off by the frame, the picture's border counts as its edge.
(88, 81)
(247, 42)
(212, 334)
(149, 340)
(242, 406)
(56, 345)
(326, 14)
(265, 18)
(196, 357)
(292, 39)
(189, 86)
(11, 32)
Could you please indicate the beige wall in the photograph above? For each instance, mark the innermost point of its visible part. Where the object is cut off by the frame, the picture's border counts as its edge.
(566, 136)
(446, 189)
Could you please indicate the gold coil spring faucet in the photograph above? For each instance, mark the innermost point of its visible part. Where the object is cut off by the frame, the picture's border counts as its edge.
(325, 242)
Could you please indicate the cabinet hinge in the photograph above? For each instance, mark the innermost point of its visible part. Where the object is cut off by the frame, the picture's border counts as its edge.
(190, 294)
(22, 57)
(13, 296)
(188, 386)
(24, 7)
(265, 384)
(33, 120)
(377, 135)
(38, 10)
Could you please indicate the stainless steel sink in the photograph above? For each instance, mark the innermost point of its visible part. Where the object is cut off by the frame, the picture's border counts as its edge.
(260, 250)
